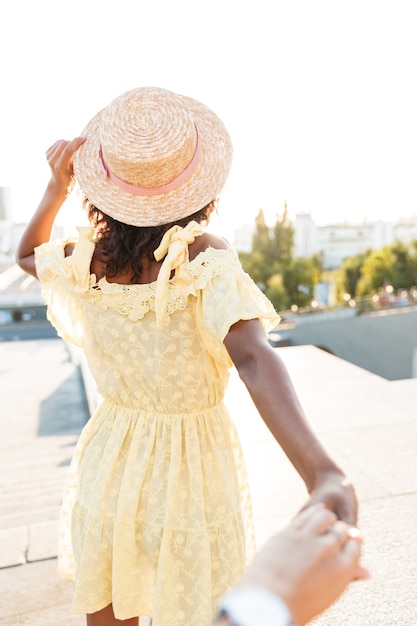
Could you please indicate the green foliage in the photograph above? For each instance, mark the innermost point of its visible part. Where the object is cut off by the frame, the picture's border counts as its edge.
(317, 267)
(283, 239)
(348, 275)
(276, 293)
(299, 281)
(261, 241)
(284, 280)
(368, 273)
(376, 271)
(254, 264)
(271, 249)
(404, 272)
(287, 281)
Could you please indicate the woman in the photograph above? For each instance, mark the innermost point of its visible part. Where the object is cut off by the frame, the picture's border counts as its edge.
(156, 518)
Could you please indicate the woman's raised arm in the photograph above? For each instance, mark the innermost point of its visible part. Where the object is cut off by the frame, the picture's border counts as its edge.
(38, 231)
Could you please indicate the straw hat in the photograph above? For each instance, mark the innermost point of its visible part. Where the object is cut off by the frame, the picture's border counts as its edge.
(153, 157)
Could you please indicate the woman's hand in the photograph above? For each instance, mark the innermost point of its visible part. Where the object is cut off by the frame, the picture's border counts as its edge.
(60, 158)
(335, 491)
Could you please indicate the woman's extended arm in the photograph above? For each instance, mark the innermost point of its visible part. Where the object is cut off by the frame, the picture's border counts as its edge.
(271, 389)
(38, 231)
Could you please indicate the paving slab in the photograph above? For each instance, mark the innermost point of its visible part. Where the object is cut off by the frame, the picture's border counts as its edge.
(14, 544)
(388, 598)
(368, 423)
(42, 411)
(42, 541)
(34, 594)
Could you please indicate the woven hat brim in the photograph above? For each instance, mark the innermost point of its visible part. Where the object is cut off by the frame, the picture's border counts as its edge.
(203, 186)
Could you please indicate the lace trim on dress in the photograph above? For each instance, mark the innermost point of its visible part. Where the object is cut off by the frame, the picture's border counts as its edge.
(135, 301)
(164, 296)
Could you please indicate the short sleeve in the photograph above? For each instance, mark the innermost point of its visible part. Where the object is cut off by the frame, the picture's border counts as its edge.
(231, 295)
(63, 282)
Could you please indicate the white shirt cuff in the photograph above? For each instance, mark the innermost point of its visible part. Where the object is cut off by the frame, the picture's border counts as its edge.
(247, 605)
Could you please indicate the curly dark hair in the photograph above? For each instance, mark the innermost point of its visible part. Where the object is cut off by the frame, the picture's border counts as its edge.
(122, 246)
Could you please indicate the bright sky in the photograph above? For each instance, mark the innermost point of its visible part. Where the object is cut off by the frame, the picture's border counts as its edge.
(319, 96)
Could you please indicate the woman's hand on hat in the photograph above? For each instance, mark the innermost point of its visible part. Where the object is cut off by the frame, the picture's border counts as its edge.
(60, 158)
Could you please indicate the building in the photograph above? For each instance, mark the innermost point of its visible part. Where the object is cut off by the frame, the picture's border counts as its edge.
(7, 244)
(11, 231)
(243, 237)
(20, 294)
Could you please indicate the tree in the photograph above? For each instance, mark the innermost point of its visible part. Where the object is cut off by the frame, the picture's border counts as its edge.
(349, 274)
(317, 267)
(404, 271)
(299, 281)
(271, 249)
(258, 263)
(412, 251)
(262, 237)
(283, 239)
(284, 280)
(276, 292)
(377, 270)
(253, 264)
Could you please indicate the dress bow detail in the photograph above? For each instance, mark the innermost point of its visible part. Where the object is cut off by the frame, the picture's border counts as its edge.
(77, 266)
(174, 247)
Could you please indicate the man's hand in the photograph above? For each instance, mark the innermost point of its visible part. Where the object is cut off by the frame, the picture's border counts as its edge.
(310, 563)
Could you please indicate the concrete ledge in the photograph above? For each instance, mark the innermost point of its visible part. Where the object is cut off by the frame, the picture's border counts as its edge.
(322, 316)
(25, 544)
(14, 544)
(91, 393)
(43, 540)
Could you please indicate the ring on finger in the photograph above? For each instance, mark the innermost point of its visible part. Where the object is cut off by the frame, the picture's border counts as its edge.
(339, 531)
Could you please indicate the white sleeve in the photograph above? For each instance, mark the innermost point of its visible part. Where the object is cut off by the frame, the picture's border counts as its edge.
(247, 605)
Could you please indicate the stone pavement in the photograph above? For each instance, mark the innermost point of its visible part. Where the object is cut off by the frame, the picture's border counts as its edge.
(42, 410)
(369, 425)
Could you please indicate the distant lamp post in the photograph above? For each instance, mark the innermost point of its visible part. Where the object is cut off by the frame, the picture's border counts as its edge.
(294, 308)
(347, 297)
(389, 288)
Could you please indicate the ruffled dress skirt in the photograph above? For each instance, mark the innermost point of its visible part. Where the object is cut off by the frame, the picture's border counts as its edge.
(153, 514)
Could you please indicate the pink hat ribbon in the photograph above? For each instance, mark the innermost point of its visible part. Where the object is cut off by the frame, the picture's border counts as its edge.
(152, 191)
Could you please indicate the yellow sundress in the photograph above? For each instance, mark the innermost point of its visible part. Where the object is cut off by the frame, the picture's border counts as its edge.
(156, 516)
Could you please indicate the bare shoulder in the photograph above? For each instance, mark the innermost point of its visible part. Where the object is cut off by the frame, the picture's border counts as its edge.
(207, 240)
